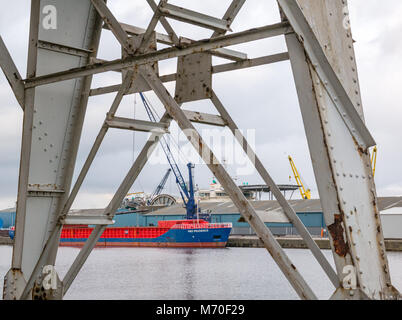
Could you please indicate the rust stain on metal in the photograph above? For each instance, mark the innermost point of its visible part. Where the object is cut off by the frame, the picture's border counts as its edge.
(336, 230)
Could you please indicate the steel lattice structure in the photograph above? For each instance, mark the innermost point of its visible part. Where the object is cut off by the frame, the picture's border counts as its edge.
(55, 93)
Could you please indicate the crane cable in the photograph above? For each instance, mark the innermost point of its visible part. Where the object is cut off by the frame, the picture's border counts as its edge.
(305, 192)
(169, 138)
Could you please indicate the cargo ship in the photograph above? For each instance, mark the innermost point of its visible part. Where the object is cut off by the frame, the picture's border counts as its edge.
(171, 233)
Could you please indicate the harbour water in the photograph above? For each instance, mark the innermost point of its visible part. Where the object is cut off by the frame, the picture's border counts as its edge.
(187, 274)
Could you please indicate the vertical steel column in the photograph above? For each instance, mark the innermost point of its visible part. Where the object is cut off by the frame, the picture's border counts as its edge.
(99, 138)
(26, 139)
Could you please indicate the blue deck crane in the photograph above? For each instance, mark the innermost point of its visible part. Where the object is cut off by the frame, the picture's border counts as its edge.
(186, 193)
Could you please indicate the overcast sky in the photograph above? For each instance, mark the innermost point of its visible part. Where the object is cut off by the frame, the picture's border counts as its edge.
(261, 99)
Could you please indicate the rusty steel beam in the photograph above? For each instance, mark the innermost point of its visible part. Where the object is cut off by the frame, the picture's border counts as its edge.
(238, 198)
(286, 207)
(205, 118)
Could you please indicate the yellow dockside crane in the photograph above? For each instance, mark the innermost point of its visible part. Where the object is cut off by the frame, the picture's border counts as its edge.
(305, 193)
